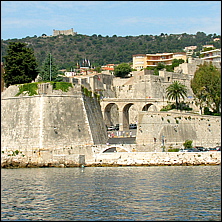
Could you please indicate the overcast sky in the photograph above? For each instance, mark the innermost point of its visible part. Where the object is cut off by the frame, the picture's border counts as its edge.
(122, 18)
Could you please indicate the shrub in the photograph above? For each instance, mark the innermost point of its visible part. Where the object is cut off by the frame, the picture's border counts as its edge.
(173, 150)
(16, 152)
(188, 144)
(64, 86)
(29, 88)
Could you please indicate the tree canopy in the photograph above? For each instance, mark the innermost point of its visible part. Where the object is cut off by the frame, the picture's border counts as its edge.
(49, 70)
(206, 86)
(122, 70)
(20, 64)
(68, 50)
(175, 91)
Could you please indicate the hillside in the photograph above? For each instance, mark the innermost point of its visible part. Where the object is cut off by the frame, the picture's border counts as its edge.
(68, 50)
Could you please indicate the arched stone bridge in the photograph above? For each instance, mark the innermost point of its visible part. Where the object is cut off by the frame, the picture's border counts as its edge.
(140, 104)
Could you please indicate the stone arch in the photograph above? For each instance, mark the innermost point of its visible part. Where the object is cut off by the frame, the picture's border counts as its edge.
(114, 148)
(107, 113)
(125, 116)
(150, 107)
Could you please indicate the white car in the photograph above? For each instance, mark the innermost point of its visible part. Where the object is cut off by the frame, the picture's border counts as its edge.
(110, 128)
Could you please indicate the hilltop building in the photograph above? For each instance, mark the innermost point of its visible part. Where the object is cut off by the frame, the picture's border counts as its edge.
(64, 32)
(190, 50)
(141, 61)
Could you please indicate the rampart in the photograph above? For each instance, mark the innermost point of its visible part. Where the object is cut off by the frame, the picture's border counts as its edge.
(55, 128)
(50, 120)
(171, 129)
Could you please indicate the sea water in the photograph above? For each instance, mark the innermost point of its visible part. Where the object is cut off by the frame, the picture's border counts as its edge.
(112, 193)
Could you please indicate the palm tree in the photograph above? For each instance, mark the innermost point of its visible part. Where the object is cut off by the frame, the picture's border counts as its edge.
(175, 91)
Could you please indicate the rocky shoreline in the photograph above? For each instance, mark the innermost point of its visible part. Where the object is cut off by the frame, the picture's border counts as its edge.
(121, 159)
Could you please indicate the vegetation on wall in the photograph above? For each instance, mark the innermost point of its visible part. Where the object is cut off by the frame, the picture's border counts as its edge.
(173, 150)
(28, 88)
(169, 68)
(181, 106)
(64, 86)
(188, 144)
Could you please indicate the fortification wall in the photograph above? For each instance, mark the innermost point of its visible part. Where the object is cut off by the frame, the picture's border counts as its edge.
(49, 121)
(175, 128)
(158, 158)
(63, 32)
(68, 159)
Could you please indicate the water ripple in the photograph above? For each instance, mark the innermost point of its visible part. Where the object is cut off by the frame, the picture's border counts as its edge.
(121, 193)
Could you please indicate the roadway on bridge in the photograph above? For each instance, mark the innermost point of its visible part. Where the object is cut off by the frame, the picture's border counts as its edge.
(122, 140)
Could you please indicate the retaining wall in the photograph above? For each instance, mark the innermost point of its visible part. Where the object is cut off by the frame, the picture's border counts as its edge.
(49, 159)
(176, 128)
(158, 158)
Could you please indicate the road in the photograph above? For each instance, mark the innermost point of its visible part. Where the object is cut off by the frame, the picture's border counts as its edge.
(122, 140)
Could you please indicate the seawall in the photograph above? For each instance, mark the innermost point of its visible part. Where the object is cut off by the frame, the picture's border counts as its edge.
(172, 129)
(56, 159)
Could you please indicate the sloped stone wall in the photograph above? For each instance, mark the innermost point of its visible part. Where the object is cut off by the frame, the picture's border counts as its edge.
(50, 121)
(176, 128)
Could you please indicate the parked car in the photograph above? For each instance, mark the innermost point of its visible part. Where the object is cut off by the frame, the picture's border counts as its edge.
(110, 128)
(132, 126)
(183, 150)
(193, 150)
(201, 148)
(189, 150)
(217, 148)
(117, 127)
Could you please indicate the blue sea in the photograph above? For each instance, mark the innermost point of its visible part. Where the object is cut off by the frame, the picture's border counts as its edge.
(178, 193)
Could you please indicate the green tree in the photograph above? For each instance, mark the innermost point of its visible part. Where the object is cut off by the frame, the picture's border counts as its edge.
(206, 86)
(49, 70)
(188, 144)
(20, 64)
(160, 66)
(175, 63)
(122, 70)
(175, 91)
(97, 69)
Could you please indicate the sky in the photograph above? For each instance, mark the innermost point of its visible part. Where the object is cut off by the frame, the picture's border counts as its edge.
(20, 19)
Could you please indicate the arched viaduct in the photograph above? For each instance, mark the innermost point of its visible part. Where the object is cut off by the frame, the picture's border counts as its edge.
(146, 104)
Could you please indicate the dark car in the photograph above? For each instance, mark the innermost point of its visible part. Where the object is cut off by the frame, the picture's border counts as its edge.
(201, 148)
(217, 148)
(193, 150)
(117, 127)
(132, 126)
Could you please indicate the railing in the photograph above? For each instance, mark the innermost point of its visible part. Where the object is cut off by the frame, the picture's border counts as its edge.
(121, 134)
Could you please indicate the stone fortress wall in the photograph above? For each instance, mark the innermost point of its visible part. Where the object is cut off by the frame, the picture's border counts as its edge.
(175, 129)
(68, 128)
(50, 120)
(64, 32)
(57, 127)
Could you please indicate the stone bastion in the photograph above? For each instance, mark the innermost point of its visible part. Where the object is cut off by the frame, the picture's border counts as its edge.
(56, 128)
